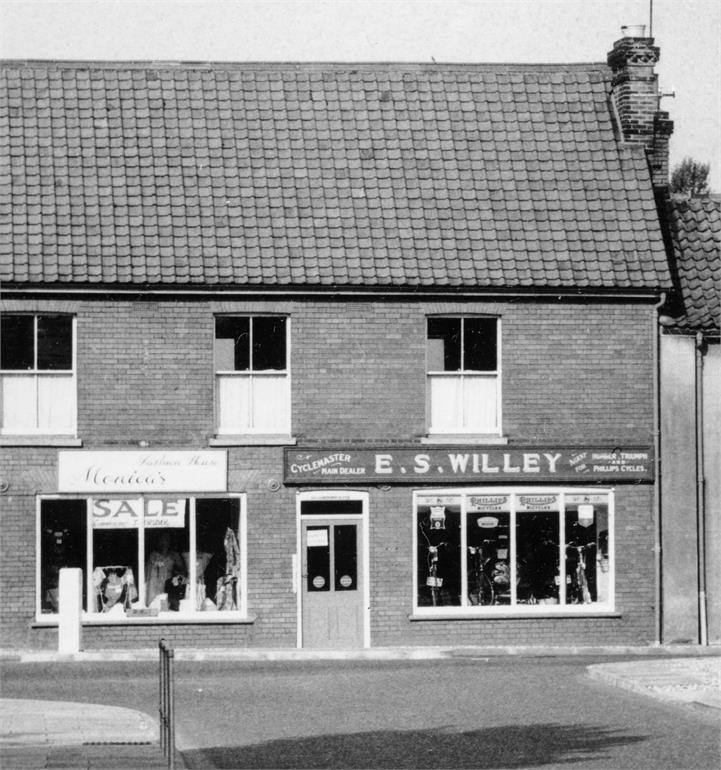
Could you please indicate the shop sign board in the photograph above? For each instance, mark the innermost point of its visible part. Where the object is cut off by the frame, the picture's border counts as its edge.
(439, 500)
(586, 499)
(128, 513)
(537, 502)
(149, 471)
(489, 504)
(117, 514)
(164, 513)
(469, 464)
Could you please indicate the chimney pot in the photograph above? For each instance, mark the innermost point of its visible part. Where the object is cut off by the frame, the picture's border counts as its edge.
(634, 30)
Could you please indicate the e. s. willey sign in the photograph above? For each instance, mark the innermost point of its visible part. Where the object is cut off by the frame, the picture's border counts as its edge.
(486, 464)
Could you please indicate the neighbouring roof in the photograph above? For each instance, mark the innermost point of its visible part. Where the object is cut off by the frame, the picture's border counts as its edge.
(321, 175)
(695, 229)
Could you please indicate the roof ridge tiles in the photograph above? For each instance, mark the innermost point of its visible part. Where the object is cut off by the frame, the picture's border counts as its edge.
(301, 66)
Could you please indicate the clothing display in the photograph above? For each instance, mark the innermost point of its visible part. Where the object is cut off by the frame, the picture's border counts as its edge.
(114, 585)
(161, 567)
(201, 564)
(226, 592)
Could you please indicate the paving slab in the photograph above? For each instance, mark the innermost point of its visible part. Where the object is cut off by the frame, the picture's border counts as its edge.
(59, 734)
(676, 680)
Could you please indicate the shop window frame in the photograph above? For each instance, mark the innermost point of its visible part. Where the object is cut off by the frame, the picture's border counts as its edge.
(467, 610)
(241, 615)
(225, 433)
(46, 374)
(462, 376)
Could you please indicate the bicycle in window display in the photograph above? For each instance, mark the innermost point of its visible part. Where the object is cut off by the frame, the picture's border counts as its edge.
(434, 582)
(545, 573)
(580, 581)
(484, 573)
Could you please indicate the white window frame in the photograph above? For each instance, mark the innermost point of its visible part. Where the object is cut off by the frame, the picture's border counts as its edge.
(37, 374)
(461, 375)
(194, 616)
(519, 610)
(251, 375)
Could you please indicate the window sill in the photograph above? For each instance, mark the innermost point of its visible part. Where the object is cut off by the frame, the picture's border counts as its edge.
(465, 438)
(44, 440)
(199, 619)
(250, 440)
(535, 611)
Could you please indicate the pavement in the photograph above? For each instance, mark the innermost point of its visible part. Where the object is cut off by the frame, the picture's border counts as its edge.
(51, 734)
(55, 734)
(695, 681)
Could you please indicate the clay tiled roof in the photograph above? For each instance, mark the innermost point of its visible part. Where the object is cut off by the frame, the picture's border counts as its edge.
(321, 175)
(695, 226)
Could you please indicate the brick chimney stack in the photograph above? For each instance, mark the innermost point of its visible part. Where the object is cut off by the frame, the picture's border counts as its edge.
(635, 94)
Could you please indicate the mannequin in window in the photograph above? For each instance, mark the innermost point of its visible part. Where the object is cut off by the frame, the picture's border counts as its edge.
(163, 565)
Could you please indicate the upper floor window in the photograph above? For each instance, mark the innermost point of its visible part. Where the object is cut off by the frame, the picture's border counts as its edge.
(252, 375)
(464, 378)
(37, 374)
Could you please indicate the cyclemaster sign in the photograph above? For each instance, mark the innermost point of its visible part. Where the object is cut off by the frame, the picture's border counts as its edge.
(487, 464)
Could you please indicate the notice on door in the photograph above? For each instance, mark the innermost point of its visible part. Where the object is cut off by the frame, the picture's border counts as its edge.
(317, 537)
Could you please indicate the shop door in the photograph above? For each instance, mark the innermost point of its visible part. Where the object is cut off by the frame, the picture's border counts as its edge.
(331, 583)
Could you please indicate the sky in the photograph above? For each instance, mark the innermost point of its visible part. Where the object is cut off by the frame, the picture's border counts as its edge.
(687, 31)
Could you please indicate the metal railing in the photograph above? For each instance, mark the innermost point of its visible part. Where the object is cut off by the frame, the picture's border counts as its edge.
(167, 702)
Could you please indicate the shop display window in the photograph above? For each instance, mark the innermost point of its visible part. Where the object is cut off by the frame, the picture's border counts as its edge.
(146, 557)
(587, 558)
(252, 377)
(63, 538)
(488, 554)
(495, 551)
(218, 557)
(462, 359)
(439, 549)
(37, 374)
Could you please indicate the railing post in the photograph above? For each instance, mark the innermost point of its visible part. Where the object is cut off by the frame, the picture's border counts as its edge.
(171, 710)
(166, 702)
(161, 694)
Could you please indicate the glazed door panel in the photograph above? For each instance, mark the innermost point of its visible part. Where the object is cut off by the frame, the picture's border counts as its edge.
(331, 583)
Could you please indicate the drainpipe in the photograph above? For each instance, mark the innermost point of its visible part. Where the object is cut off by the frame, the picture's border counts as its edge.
(700, 494)
(657, 563)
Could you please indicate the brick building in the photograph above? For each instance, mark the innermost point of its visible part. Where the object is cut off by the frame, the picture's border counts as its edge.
(691, 424)
(332, 355)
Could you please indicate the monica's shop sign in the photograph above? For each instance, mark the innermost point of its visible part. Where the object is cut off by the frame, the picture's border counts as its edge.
(172, 471)
(487, 464)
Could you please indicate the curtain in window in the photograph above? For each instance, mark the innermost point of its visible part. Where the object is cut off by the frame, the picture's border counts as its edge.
(253, 403)
(463, 403)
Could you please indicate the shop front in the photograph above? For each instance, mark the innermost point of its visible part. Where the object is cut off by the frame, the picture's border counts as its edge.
(359, 547)
(157, 535)
(524, 535)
